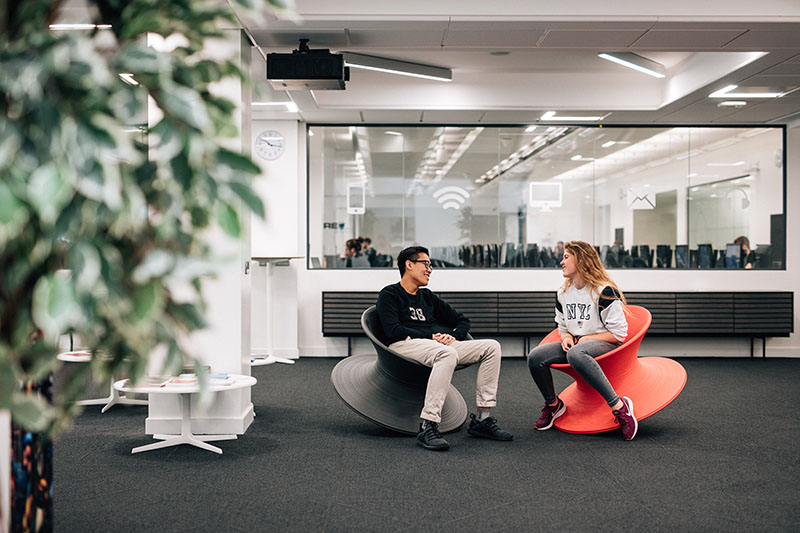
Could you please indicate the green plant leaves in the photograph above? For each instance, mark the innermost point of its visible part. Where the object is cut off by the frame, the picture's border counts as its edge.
(248, 196)
(47, 192)
(31, 412)
(229, 220)
(106, 226)
(55, 307)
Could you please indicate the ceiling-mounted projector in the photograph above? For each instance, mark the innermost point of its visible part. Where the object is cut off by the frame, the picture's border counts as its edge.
(306, 69)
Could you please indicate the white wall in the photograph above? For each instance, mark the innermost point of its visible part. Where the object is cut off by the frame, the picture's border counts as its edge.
(225, 344)
(311, 283)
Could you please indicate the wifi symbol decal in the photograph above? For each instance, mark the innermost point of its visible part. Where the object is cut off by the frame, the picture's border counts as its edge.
(451, 197)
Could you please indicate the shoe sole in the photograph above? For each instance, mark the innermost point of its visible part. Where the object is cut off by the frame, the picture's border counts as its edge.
(484, 436)
(434, 448)
(553, 420)
(629, 404)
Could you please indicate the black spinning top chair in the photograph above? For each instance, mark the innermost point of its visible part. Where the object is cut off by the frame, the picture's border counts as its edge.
(389, 389)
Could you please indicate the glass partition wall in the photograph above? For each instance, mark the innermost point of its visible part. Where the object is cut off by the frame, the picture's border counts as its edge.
(509, 196)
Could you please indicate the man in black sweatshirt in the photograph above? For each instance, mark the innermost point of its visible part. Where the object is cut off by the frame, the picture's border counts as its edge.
(421, 326)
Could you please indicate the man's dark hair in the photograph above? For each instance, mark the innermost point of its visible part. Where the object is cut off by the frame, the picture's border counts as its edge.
(409, 253)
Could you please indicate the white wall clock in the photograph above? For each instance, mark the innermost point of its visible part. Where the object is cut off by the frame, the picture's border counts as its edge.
(270, 144)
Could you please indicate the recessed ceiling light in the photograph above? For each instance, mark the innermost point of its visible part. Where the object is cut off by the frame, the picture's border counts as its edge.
(751, 92)
(389, 132)
(732, 103)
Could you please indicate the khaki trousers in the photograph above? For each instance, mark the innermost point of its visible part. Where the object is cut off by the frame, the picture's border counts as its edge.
(443, 360)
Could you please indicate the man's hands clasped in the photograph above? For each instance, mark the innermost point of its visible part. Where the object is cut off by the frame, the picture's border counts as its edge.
(444, 338)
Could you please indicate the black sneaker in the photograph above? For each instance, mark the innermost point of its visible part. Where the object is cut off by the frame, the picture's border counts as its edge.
(487, 429)
(430, 438)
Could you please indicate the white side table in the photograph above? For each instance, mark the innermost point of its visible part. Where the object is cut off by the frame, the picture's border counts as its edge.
(83, 356)
(237, 381)
(269, 358)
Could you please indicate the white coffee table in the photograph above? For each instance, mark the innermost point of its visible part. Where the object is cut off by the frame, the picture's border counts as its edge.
(84, 356)
(237, 381)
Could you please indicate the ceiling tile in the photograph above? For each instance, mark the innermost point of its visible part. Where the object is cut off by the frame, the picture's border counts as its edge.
(405, 38)
(452, 117)
(765, 112)
(771, 81)
(332, 117)
(291, 38)
(400, 116)
(512, 117)
(493, 34)
(699, 112)
(787, 68)
(759, 40)
(699, 39)
(590, 38)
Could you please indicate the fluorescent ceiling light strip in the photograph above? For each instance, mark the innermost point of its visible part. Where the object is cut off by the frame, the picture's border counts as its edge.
(290, 106)
(635, 62)
(725, 92)
(396, 66)
(551, 115)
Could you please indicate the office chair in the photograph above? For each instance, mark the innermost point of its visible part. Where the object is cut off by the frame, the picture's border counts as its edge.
(650, 382)
(388, 389)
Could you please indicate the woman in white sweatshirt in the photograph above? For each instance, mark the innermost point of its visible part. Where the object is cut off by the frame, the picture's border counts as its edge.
(590, 313)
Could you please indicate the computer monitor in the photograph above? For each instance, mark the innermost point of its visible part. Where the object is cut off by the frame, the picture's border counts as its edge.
(604, 253)
(644, 253)
(544, 194)
(733, 255)
(704, 256)
(663, 256)
(763, 256)
(682, 256)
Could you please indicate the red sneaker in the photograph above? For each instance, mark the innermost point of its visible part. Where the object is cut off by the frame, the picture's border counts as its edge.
(627, 422)
(549, 415)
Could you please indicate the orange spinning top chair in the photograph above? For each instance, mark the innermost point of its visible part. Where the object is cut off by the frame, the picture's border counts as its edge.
(650, 382)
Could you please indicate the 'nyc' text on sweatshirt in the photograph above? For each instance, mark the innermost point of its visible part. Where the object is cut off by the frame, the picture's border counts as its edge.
(588, 311)
(418, 316)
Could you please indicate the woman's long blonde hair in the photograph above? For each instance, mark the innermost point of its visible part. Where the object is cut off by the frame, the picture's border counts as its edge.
(589, 267)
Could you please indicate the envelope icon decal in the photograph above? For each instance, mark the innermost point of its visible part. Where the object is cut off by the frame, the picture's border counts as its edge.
(641, 199)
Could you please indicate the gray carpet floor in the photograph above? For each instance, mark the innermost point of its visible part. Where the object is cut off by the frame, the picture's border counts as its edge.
(722, 457)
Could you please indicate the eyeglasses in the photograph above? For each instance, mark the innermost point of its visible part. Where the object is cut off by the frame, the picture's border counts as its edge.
(427, 264)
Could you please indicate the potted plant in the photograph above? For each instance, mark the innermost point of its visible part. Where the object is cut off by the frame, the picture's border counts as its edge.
(101, 217)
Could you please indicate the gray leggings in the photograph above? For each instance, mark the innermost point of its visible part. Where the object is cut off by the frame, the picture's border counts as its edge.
(581, 358)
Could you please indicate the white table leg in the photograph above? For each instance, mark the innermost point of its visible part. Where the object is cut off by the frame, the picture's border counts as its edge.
(186, 436)
(113, 398)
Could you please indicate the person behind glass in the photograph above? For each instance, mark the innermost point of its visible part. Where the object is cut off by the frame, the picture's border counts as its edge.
(748, 256)
(351, 257)
(591, 321)
(368, 251)
(558, 251)
(421, 326)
